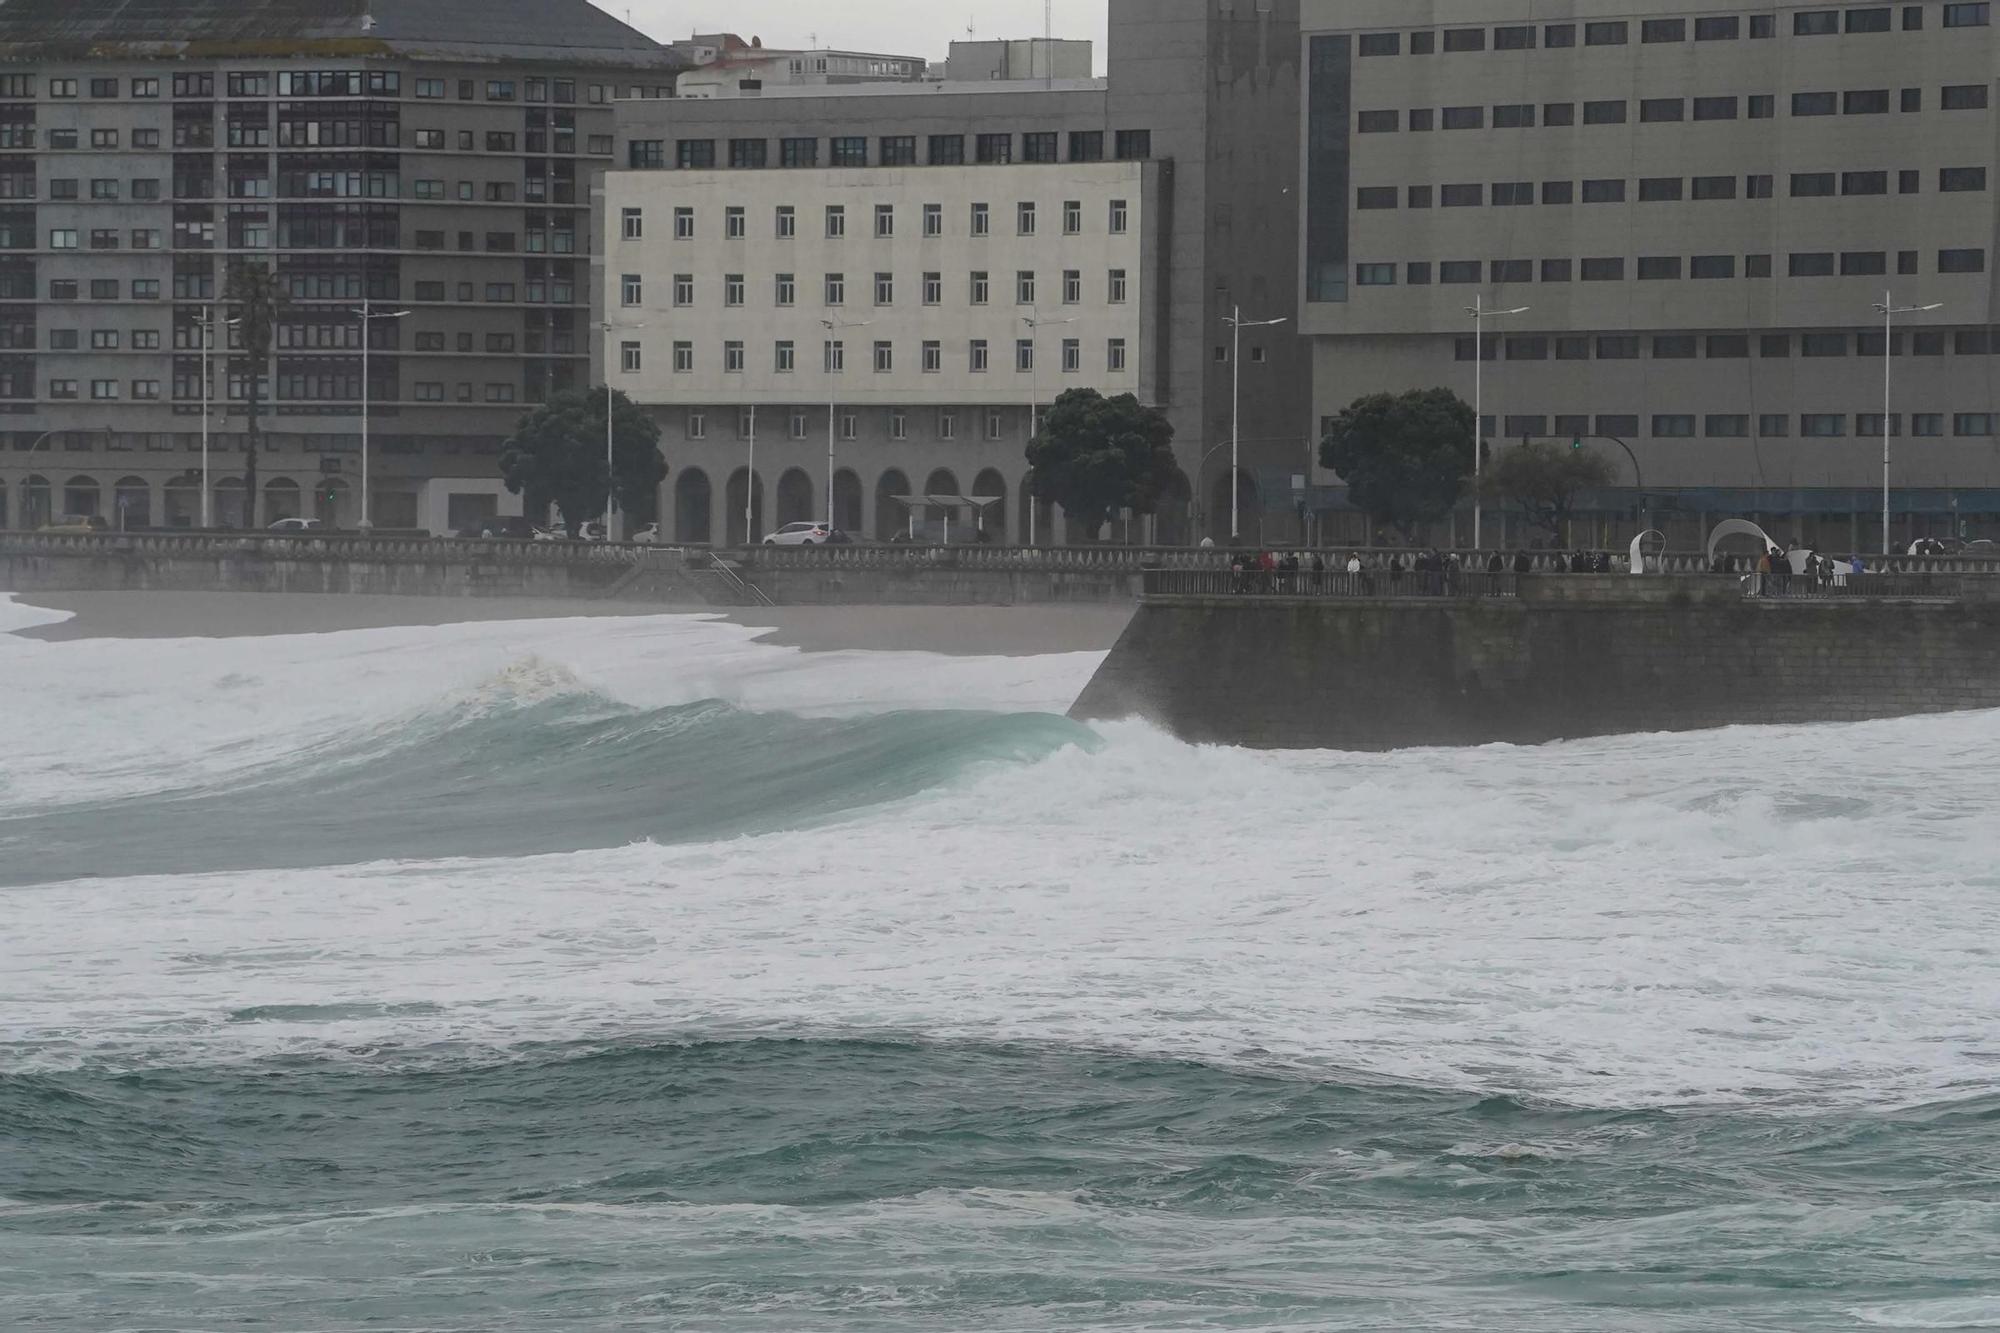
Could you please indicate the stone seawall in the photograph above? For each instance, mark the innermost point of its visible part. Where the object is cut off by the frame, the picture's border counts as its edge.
(1567, 658)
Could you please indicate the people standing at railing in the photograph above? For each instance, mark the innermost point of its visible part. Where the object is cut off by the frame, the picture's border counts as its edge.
(1523, 563)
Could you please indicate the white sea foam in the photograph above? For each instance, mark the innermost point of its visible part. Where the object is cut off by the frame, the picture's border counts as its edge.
(116, 717)
(18, 616)
(1793, 917)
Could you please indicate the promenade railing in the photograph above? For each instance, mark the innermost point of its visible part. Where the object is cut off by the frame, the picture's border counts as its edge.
(1330, 583)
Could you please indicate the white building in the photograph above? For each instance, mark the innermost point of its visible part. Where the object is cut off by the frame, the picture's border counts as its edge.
(900, 319)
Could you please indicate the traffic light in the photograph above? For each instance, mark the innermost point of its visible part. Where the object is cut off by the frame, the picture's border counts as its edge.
(1576, 443)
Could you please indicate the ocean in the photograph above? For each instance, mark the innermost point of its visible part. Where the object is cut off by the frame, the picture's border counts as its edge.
(634, 974)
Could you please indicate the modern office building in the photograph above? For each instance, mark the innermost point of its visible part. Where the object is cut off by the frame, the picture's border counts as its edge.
(1701, 209)
(433, 157)
(911, 267)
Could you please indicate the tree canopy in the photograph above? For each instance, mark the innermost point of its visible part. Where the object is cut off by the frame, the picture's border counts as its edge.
(1544, 480)
(1405, 457)
(556, 456)
(1095, 456)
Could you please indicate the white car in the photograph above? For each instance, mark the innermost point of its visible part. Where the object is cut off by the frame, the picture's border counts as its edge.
(297, 525)
(798, 534)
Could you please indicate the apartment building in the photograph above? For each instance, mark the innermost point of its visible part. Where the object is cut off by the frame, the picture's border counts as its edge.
(1701, 209)
(433, 157)
(908, 269)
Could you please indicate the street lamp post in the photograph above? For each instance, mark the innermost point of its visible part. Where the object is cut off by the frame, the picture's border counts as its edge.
(1889, 310)
(831, 327)
(1234, 319)
(1480, 314)
(1034, 320)
(610, 477)
(366, 314)
(207, 325)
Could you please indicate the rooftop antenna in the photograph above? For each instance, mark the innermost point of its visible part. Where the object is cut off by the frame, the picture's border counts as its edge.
(1049, 42)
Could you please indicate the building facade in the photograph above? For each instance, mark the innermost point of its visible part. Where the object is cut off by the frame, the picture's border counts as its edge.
(1177, 171)
(1701, 209)
(725, 65)
(433, 157)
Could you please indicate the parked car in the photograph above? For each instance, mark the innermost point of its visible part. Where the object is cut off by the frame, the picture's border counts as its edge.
(298, 525)
(647, 536)
(798, 534)
(510, 527)
(79, 523)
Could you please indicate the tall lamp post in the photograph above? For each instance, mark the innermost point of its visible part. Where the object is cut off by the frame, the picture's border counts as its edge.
(207, 324)
(1888, 309)
(1033, 319)
(366, 315)
(1234, 319)
(1480, 314)
(610, 477)
(831, 326)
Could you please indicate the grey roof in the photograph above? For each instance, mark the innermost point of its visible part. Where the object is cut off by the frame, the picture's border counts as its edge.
(567, 31)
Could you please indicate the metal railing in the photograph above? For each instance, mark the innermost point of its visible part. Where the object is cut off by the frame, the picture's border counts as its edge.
(1330, 583)
(1853, 587)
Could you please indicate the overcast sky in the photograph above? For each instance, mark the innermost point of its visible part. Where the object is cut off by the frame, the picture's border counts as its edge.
(890, 27)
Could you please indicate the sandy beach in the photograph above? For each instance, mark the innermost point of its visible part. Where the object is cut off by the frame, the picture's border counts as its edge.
(1007, 631)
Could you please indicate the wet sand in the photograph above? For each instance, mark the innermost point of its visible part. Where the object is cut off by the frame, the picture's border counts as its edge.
(1006, 631)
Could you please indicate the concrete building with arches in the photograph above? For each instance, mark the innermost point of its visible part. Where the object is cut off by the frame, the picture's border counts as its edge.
(910, 268)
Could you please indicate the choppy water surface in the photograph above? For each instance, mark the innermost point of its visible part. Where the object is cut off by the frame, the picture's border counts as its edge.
(630, 974)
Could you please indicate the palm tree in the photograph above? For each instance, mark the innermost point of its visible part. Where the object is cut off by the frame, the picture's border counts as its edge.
(254, 291)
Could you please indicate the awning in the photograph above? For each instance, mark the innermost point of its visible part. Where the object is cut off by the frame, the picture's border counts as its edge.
(948, 501)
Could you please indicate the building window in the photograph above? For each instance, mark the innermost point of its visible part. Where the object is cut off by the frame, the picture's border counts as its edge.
(1612, 33)
(683, 289)
(1556, 270)
(1377, 122)
(1072, 292)
(885, 221)
(1461, 196)
(1967, 15)
(1134, 145)
(787, 290)
(1039, 146)
(1119, 215)
(1604, 113)
(1813, 264)
(833, 356)
(732, 289)
(1865, 102)
(1728, 346)
(1954, 179)
(1375, 196)
(1464, 39)
(1086, 145)
(1115, 287)
(784, 356)
(1726, 426)
(947, 150)
(1114, 355)
(683, 358)
(748, 154)
(1816, 23)
(982, 220)
(1459, 270)
(1812, 184)
(1654, 110)
(933, 353)
(1024, 287)
(885, 289)
(798, 152)
(836, 221)
(1380, 44)
(849, 151)
(1658, 268)
(735, 225)
(628, 357)
(1815, 104)
(1875, 19)
(1514, 116)
(898, 150)
(1464, 118)
(1557, 114)
(1024, 218)
(994, 149)
(1774, 426)
(836, 289)
(1660, 189)
(1514, 37)
(694, 154)
(634, 222)
(1663, 30)
(1822, 425)
(947, 424)
(885, 358)
(1961, 261)
(1963, 97)
(683, 224)
(1618, 347)
(1024, 355)
(1712, 266)
(1863, 263)
(1863, 182)
(1374, 275)
(1604, 192)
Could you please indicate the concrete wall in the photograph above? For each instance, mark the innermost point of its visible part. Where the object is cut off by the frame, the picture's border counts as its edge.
(1674, 655)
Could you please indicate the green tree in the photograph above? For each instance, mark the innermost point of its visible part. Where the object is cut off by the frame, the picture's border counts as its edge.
(1095, 456)
(556, 456)
(1405, 457)
(1544, 480)
(253, 290)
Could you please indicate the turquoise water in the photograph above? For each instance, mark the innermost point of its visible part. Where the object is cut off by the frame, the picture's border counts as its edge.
(881, 1184)
(497, 979)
